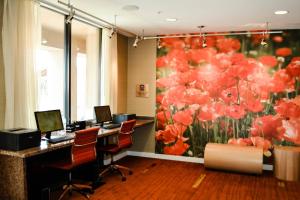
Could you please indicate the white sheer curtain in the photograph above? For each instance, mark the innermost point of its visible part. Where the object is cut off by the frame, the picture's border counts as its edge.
(109, 71)
(21, 38)
(92, 72)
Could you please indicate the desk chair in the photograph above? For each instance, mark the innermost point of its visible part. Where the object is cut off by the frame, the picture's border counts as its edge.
(83, 152)
(124, 140)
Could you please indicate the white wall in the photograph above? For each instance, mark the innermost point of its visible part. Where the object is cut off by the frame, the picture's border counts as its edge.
(141, 69)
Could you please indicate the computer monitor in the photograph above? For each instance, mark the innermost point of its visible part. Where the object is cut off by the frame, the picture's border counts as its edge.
(48, 121)
(103, 114)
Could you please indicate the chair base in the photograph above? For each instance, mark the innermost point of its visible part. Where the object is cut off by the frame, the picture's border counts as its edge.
(76, 188)
(117, 168)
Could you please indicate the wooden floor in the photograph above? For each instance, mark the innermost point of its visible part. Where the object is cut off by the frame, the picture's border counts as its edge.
(163, 179)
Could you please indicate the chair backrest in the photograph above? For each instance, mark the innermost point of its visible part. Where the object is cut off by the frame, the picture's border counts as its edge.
(125, 134)
(83, 149)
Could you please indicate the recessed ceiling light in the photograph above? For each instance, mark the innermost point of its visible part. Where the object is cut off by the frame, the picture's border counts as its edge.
(171, 19)
(130, 7)
(44, 41)
(281, 12)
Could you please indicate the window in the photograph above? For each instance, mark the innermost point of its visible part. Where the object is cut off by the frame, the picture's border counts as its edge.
(85, 84)
(84, 70)
(50, 69)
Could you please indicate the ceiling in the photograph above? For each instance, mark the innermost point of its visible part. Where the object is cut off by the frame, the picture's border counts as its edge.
(215, 15)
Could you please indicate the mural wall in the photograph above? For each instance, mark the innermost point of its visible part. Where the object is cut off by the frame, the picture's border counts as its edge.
(233, 91)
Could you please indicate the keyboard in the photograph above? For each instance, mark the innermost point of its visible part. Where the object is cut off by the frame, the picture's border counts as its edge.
(111, 126)
(60, 139)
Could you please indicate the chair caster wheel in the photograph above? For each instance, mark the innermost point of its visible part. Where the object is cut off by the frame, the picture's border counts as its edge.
(123, 178)
(130, 172)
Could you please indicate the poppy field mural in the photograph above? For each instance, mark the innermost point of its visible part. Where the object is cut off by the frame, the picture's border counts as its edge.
(233, 91)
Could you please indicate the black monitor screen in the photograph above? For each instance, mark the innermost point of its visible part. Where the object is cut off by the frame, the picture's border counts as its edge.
(103, 114)
(48, 121)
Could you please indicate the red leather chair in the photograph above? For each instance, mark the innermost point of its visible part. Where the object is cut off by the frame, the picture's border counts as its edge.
(124, 141)
(83, 152)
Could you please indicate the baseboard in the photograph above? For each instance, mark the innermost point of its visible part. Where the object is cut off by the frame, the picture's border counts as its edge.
(116, 157)
(165, 157)
(179, 158)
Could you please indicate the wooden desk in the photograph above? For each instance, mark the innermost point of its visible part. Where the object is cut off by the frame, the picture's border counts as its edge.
(13, 175)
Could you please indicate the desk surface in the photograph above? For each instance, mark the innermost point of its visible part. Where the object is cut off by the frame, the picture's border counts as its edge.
(47, 147)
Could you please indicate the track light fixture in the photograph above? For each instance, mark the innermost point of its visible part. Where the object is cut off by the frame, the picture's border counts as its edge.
(136, 41)
(159, 43)
(263, 42)
(71, 15)
(203, 36)
(113, 30)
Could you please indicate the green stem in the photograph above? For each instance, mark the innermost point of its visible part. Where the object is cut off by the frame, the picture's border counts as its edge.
(297, 85)
(233, 128)
(193, 140)
(237, 128)
(238, 92)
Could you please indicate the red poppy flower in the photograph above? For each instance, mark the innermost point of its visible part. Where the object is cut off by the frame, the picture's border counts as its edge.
(269, 61)
(166, 136)
(222, 61)
(177, 129)
(287, 109)
(195, 96)
(201, 55)
(229, 95)
(171, 133)
(163, 116)
(268, 126)
(253, 105)
(261, 143)
(237, 58)
(235, 111)
(296, 100)
(172, 43)
(228, 45)
(173, 96)
(159, 98)
(162, 62)
(178, 60)
(183, 117)
(283, 52)
(232, 141)
(207, 113)
(281, 82)
(292, 132)
(183, 78)
(177, 149)
(165, 82)
(293, 69)
(277, 38)
(241, 70)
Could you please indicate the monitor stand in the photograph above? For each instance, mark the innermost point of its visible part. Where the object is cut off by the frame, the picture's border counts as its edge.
(47, 136)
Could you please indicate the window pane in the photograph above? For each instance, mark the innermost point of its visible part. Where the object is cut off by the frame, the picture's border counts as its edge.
(50, 69)
(85, 84)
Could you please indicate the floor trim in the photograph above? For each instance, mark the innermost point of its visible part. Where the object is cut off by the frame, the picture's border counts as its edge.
(167, 157)
(179, 158)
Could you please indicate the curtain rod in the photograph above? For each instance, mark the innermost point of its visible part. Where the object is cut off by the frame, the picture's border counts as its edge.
(97, 22)
(210, 34)
(107, 25)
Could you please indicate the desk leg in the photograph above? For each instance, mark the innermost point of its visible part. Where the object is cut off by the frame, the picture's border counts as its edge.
(13, 184)
(98, 181)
